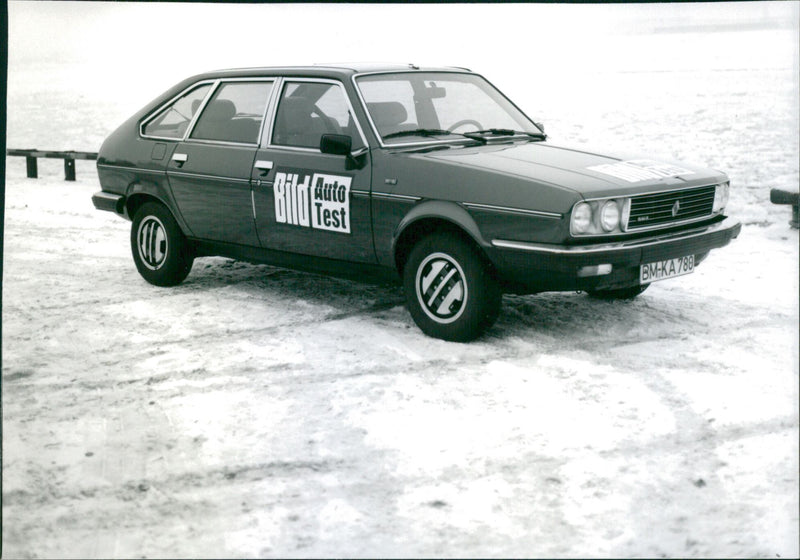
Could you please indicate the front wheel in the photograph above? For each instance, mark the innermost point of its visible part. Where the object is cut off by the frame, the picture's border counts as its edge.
(449, 289)
(160, 250)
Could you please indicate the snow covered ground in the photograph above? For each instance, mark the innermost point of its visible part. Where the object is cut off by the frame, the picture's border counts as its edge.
(259, 412)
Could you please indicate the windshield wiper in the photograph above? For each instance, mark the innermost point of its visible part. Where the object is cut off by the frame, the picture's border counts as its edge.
(419, 132)
(479, 134)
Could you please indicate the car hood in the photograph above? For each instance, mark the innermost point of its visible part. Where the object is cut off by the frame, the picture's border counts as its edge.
(583, 171)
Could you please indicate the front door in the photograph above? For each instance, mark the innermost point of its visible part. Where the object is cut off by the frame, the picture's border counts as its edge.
(305, 201)
(209, 172)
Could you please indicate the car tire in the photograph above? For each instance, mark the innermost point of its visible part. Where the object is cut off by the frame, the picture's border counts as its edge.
(620, 293)
(161, 252)
(449, 288)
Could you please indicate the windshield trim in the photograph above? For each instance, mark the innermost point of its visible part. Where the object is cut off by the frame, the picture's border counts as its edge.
(411, 144)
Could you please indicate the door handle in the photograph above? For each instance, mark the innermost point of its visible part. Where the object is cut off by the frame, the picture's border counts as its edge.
(180, 159)
(263, 166)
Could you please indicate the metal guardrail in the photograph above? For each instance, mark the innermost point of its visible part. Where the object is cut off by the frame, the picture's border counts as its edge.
(779, 196)
(69, 157)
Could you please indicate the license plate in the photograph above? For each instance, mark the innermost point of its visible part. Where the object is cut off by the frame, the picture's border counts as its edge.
(669, 268)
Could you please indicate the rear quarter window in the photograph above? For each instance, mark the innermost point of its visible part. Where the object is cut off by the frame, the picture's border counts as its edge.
(173, 120)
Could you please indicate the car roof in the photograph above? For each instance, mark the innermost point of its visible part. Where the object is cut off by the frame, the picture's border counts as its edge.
(327, 70)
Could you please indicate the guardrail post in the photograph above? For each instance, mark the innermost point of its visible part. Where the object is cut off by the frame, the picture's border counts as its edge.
(69, 169)
(32, 167)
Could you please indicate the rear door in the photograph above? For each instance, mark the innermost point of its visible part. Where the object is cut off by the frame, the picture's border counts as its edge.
(305, 201)
(209, 172)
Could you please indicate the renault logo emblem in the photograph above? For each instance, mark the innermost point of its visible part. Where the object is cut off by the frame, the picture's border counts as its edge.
(676, 208)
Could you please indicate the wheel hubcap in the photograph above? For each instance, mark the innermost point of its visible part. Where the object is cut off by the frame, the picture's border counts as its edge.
(152, 242)
(441, 289)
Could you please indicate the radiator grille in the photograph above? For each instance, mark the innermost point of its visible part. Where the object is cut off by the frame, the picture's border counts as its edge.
(664, 208)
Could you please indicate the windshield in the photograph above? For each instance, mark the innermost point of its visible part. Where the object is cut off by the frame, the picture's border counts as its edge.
(415, 107)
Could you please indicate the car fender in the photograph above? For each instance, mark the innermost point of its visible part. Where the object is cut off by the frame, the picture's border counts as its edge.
(422, 219)
(157, 191)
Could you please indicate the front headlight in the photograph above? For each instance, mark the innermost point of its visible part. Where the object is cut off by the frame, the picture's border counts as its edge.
(609, 215)
(721, 195)
(599, 217)
(581, 218)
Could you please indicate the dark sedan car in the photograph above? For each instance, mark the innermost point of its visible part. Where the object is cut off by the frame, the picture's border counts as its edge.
(429, 176)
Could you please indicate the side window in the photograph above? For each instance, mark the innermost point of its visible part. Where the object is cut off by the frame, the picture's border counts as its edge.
(308, 110)
(234, 113)
(174, 119)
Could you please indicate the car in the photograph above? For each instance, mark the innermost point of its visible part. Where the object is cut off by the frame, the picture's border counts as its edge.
(425, 176)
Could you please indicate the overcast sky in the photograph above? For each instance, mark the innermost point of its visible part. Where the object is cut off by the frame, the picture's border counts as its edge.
(134, 51)
(204, 36)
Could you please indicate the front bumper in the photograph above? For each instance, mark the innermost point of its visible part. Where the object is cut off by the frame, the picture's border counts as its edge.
(534, 267)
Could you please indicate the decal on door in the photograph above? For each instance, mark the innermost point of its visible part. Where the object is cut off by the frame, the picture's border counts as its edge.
(637, 170)
(311, 199)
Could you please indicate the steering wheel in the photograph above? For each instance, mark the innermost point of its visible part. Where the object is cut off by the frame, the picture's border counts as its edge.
(465, 122)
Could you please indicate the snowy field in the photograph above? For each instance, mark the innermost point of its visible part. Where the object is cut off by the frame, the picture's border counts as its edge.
(259, 412)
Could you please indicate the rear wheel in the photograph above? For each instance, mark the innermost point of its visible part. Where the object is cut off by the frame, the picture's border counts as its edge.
(160, 250)
(449, 289)
(620, 293)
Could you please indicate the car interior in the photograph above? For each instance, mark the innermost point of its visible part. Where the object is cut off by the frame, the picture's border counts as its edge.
(219, 122)
(390, 117)
(301, 123)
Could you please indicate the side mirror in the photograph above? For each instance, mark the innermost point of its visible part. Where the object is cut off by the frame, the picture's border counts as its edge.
(335, 144)
(540, 125)
(342, 145)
